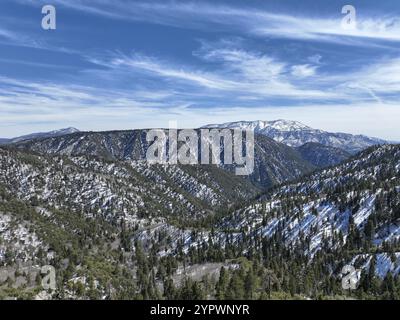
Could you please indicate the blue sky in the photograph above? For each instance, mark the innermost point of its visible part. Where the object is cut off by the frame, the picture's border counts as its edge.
(135, 64)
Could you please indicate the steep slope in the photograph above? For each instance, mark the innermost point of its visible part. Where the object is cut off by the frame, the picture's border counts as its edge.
(83, 252)
(295, 134)
(274, 162)
(79, 215)
(121, 190)
(85, 215)
(322, 156)
(304, 232)
(351, 211)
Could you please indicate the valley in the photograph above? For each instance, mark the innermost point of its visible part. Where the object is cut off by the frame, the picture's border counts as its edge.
(116, 227)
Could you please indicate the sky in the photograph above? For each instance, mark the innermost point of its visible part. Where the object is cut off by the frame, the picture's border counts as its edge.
(122, 64)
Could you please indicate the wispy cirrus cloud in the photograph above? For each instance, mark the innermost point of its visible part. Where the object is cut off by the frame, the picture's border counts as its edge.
(239, 71)
(243, 19)
(289, 65)
(18, 39)
(303, 70)
(380, 80)
(382, 76)
(21, 97)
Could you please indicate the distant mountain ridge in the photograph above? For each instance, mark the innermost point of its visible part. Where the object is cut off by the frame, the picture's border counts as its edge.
(296, 134)
(291, 133)
(285, 150)
(322, 156)
(54, 133)
(275, 162)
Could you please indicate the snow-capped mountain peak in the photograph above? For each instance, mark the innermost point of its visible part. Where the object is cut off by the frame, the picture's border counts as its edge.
(296, 134)
(258, 125)
(286, 125)
(64, 131)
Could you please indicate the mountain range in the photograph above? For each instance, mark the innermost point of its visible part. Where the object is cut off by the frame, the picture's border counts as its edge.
(116, 227)
(37, 135)
(274, 162)
(295, 134)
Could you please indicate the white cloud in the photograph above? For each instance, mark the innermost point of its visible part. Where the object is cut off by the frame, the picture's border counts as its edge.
(18, 39)
(19, 99)
(383, 77)
(379, 80)
(315, 59)
(39, 106)
(163, 69)
(303, 70)
(229, 73)
(207, 15)
(240, 72)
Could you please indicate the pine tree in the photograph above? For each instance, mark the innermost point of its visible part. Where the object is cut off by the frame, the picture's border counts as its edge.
(222, 284)
(249, 284)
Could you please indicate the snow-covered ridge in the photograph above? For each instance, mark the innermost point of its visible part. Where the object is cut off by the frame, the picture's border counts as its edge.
(282, 125)
(295, 134)
(358, 192)
(54, 133)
